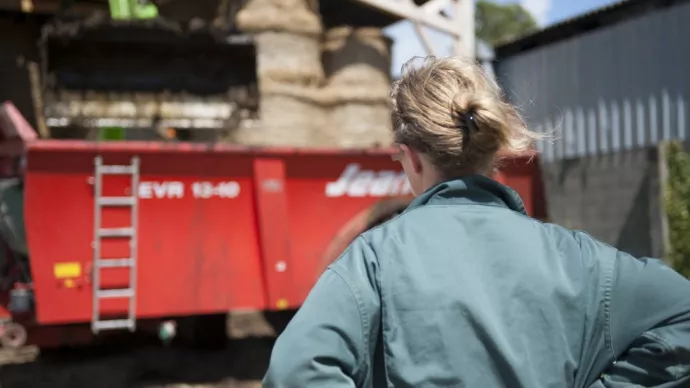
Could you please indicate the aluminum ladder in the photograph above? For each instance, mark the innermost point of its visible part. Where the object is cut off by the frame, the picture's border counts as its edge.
(99, 263)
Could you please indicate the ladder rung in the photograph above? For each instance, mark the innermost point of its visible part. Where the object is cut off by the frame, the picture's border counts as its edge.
(115, 293)
(114, 263)
(128, 321)
(116, 170)
(114, 324)
(116, 232)
(116, 201)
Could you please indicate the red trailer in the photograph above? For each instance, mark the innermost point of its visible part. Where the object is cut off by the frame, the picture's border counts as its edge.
(113, 234)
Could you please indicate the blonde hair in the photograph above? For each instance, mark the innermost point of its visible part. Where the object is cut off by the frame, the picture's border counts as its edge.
(451, 111)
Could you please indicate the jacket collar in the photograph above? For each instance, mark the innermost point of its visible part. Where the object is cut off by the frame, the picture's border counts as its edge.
(471, 189)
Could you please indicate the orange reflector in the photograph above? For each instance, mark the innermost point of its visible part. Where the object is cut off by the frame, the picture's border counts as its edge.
(282, 304)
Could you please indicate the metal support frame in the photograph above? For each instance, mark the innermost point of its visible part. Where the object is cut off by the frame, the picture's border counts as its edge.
(453, 17)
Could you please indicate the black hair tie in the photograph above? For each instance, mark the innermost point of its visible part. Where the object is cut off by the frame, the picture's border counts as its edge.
(468, 128)
(470, 124)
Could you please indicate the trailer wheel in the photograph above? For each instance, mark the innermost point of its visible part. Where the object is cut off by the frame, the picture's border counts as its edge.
(368, 218)
(13, 336)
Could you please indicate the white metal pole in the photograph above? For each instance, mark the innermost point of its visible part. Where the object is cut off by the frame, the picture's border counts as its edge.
(458, 23)
(464, 18)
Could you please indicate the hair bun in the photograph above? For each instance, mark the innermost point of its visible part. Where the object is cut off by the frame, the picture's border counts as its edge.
(448, 109)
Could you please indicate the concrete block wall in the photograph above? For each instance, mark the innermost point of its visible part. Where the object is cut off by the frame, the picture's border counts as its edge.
(614, 197)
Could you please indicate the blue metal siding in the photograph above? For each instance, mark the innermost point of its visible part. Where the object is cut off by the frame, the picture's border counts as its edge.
(617, 88)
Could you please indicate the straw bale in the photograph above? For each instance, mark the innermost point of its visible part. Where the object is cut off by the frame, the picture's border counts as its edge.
(357, 66)
(289, 58)
(335, 95)
(357, 56)
(290, 115)
(310, 117)
(297, 16)
(357, 124)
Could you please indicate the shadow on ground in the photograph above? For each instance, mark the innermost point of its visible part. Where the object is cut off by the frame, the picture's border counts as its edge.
(142, 361)
(242, 363)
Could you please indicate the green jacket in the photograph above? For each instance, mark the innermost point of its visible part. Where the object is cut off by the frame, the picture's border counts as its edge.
(464, 290)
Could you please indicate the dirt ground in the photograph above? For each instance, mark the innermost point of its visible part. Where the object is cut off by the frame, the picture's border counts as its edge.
(240, 365)
(145, 363)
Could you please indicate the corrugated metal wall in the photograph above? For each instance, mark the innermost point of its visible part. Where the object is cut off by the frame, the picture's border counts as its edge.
(616, 88)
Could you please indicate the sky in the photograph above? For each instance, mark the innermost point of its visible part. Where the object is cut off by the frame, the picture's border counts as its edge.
(545, 12)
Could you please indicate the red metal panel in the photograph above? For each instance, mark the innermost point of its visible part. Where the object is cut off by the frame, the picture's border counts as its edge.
(523, 175)
(274, 233)
(197, 253)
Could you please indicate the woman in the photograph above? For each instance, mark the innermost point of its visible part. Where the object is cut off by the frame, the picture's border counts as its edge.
(463, 289)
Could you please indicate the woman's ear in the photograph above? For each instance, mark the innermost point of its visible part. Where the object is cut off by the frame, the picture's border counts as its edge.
(414, 158)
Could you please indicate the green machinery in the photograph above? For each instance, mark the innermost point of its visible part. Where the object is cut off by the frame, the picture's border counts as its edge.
(132, 9)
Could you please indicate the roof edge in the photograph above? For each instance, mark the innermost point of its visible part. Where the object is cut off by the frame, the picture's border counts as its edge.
(599, 18)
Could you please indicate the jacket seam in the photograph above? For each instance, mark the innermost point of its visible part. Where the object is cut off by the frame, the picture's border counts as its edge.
(364, 321)
(608, 295)
(384, 311)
